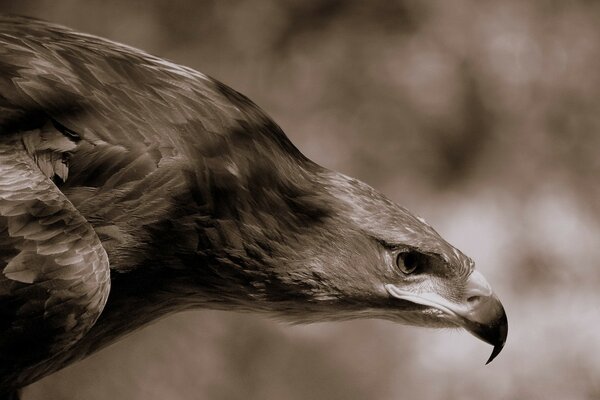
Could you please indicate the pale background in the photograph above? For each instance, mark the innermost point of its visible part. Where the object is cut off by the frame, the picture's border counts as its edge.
(481, 116)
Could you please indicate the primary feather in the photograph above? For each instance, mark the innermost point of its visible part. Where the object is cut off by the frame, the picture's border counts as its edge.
(196, 198)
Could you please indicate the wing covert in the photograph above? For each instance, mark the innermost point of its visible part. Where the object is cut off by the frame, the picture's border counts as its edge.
(54, 272)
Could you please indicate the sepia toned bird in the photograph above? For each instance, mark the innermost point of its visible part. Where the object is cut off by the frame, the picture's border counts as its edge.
(132, 188)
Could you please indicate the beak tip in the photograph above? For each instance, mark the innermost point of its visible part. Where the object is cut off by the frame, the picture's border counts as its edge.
(495, 352)
(502, 331)
(493, 329)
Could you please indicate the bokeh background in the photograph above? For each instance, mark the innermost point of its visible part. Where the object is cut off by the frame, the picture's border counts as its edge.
(481, 116)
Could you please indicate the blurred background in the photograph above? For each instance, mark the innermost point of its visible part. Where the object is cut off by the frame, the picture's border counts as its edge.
(481, 116)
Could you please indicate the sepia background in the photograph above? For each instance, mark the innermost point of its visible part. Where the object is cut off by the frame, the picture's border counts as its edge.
(481, 116)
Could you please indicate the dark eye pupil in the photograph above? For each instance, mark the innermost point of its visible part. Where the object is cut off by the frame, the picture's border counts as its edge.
(407, 261)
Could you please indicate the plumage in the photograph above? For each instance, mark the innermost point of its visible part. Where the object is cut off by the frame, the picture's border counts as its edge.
(115, 162)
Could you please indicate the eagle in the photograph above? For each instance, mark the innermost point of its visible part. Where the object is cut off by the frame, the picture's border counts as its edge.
(132, 187)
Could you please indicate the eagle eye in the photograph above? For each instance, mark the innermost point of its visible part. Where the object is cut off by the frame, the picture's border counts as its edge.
(407, 261)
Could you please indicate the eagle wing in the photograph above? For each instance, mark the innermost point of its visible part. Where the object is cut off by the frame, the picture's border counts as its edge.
(54, 279)
(54, 272)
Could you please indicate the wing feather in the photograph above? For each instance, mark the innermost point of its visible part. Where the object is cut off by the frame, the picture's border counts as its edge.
(54, 272)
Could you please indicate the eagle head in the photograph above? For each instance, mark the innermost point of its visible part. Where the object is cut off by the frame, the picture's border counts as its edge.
(322, 246)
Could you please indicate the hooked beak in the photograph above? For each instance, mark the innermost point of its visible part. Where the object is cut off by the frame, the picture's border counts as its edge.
(481, 313)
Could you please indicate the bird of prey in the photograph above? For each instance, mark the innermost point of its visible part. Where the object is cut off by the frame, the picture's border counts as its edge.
(132, 187)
